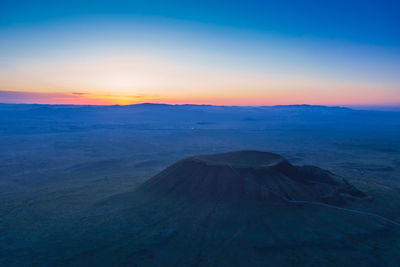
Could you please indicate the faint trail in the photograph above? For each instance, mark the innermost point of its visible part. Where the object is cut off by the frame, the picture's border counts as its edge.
(323, 204)
(235, 171)
(246, 226)
(345, 209)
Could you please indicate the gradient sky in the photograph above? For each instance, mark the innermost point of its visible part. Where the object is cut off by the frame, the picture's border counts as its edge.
(202, 52)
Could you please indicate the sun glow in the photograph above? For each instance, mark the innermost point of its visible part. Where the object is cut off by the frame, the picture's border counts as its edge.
(163, 63)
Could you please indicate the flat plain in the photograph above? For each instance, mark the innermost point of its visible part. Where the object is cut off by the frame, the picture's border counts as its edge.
(60, 164)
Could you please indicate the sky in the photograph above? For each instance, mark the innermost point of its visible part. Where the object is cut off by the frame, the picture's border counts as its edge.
(200, 52)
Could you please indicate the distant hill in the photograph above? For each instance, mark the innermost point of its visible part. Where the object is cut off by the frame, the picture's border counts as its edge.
(236, 208)
(248, 176)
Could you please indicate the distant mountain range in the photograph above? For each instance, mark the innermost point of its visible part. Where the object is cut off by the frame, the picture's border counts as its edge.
(38, 118)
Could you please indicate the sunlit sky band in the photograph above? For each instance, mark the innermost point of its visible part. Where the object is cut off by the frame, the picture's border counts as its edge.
(109, 58)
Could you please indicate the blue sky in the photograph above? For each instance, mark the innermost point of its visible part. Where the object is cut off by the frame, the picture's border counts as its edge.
(238, 52)
(366, 22)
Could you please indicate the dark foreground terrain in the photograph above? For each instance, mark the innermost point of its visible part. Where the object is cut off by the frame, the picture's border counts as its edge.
(79, 185)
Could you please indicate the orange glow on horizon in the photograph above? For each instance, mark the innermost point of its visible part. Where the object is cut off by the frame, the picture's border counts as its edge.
(131, 78)
(270, 98)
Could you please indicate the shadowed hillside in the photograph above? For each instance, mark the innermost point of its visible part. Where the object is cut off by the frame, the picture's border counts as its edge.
(237, 208)
(248, 176)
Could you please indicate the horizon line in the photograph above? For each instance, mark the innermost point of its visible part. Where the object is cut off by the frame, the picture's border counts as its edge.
(354, 107)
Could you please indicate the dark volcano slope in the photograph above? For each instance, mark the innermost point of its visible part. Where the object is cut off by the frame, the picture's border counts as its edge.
(242, 208)
(244, 176)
